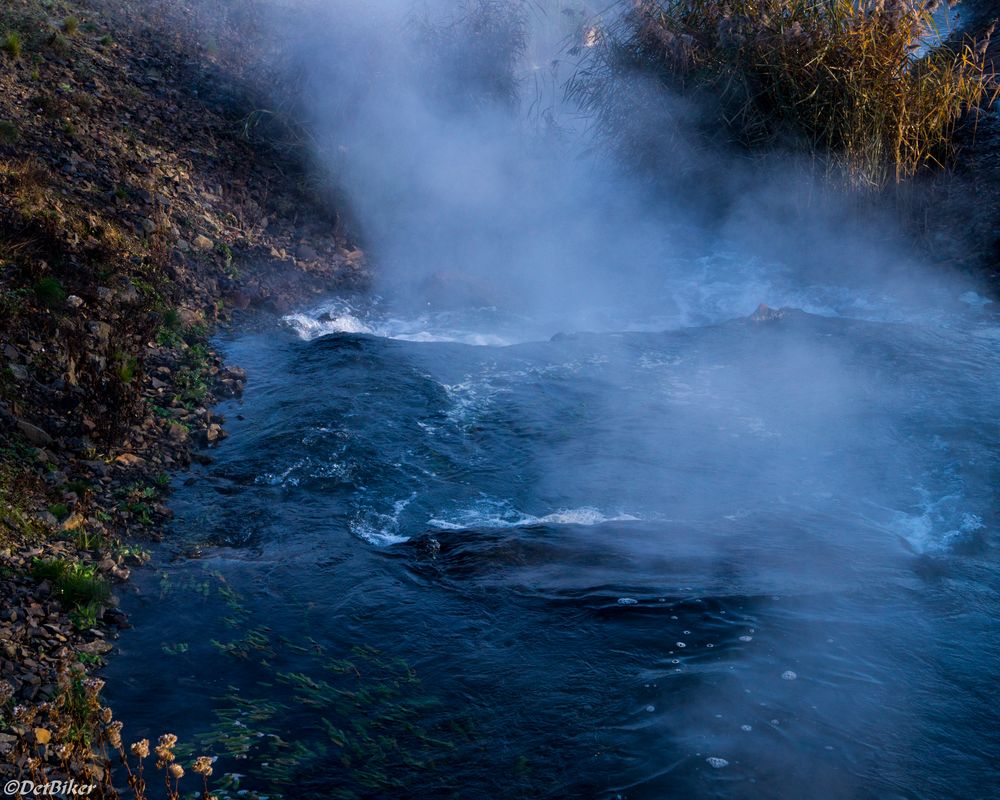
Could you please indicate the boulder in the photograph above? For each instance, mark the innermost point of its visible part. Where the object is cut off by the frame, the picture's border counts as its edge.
(33, 433)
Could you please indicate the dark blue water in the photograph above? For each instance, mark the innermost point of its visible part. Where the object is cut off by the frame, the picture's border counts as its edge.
(731, 560)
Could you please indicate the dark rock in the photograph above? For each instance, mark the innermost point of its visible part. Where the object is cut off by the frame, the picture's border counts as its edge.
(306, 253)
(765, 313)
(33, 433)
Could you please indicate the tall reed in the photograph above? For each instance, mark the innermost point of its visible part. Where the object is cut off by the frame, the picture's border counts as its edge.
(873, 88)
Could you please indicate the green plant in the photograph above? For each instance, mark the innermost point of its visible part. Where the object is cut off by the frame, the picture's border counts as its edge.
(80, 488)
(71, 25)
(59, 43)
(12, 44)
(86, 540)
(75, 583)
(59, 510)
(8, 132)
(171, 319)
(50, 291)
(85, 616)
(127, 369)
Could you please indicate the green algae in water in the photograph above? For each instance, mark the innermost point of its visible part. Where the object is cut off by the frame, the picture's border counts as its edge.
(350, 719)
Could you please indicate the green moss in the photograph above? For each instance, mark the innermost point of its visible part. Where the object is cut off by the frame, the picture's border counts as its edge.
(8, 132)
(50, 291)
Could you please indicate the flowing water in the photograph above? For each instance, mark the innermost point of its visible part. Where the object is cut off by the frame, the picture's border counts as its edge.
(687, 554)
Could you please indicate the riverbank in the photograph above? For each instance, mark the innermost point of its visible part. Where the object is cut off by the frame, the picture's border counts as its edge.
(135, 217)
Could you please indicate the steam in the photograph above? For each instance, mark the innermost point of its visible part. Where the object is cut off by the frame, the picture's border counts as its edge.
(475, 183)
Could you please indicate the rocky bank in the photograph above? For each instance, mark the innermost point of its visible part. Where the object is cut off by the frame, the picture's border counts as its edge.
(136, 213)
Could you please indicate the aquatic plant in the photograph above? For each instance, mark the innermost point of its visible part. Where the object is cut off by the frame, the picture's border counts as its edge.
(868, 88)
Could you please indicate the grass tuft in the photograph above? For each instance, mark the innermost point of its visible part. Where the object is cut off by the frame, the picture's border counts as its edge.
(77, 585)
(50, 291)
(12, 44)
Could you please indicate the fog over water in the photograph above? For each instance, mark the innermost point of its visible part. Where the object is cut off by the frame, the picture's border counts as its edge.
(548, 514)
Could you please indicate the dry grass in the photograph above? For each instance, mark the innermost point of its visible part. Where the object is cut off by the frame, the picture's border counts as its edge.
(853, 83)
(76, 735)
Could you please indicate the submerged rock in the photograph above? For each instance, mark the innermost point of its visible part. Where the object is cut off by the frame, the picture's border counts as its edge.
(765, 313)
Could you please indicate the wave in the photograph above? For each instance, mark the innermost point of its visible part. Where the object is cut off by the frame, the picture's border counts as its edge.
(494, 514)
(339, 317)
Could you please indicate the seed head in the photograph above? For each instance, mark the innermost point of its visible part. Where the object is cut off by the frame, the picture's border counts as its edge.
(203, 766)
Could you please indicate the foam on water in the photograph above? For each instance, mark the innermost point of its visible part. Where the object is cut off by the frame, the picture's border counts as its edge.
(381, 528)
(691, 293)
(502, 514)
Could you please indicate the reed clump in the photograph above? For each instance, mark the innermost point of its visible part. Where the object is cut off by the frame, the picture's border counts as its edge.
(872, 88)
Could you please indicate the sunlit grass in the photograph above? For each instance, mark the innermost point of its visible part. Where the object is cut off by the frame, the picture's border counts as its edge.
(853, 83)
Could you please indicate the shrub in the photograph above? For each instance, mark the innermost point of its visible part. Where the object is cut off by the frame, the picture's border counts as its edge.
(50, 291)
(854, 82)
(12, 44)
(71, 25)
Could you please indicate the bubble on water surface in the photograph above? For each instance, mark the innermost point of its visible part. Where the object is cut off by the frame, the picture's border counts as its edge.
(681, 644)
(651, 708)
(716, 762)
(788, 675)
(746, 728)
(746, 638)
(627, 601)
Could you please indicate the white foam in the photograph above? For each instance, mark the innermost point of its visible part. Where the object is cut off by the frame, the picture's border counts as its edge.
(339, 317)
(492, 514)
(379, 528)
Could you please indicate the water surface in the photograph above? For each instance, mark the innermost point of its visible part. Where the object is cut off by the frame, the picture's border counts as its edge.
(684, 554)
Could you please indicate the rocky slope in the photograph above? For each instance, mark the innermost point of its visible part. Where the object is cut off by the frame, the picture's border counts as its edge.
(135, 214)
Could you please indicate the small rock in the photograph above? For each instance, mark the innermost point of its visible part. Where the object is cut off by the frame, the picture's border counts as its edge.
(306, 253)
(33, 433)
(189, 317)
(214, 433)
(99, 330)
(765, 313)
(72, 522)
(130, 460)
(73, 301)
(178, 433)
(202, 242)
(99, 468)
